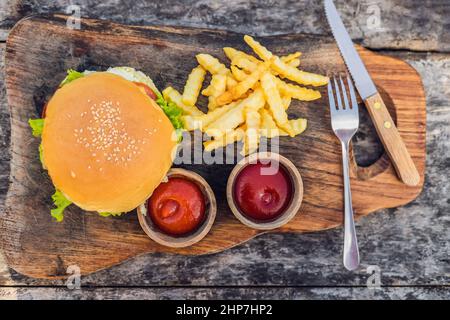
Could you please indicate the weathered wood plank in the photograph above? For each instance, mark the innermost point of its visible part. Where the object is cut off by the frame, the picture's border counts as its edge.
(399, 24)
(401, 293)
(5, 131)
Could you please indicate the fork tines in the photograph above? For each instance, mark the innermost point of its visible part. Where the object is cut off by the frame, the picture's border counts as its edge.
(341, 91)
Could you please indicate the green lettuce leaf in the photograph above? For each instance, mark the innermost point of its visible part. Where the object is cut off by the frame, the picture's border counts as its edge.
(174, 113)
(107, 214)
(36, 125)
(41, 155)
(60, 202)
(71, 75)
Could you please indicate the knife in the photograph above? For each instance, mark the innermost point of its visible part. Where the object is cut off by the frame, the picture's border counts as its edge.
(387, 131)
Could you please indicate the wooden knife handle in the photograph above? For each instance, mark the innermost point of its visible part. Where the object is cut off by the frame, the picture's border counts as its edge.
(392, 141)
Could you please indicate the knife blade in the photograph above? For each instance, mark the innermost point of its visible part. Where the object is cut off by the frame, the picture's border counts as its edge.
(363, 81)
(386, 129)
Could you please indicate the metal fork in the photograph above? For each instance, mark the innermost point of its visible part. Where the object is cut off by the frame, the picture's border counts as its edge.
(345, 122)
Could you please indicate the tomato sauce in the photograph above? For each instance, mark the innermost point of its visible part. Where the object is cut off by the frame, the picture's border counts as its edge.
(146, 89)
(177, 207)
(262, 196)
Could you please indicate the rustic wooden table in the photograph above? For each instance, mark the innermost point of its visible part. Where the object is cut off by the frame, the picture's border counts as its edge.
(406, 248)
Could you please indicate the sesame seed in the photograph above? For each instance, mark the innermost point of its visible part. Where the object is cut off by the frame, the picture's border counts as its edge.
(106, 133)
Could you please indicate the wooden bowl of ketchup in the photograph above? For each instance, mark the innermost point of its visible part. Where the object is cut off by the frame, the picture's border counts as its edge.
(181, 210)
(265, 191)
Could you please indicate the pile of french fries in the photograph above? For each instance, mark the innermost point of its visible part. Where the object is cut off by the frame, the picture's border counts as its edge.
(248, 100)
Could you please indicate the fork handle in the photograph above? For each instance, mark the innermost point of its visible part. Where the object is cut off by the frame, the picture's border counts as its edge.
(392, 141)
(351, 252)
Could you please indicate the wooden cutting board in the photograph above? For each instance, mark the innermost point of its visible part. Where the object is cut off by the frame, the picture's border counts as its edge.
(40, 50)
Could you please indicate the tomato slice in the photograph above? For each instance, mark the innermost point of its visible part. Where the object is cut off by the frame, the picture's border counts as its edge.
(146, 90)
(44, 109)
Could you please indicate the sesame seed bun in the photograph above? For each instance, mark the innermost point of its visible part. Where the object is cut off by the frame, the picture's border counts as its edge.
(106, 144)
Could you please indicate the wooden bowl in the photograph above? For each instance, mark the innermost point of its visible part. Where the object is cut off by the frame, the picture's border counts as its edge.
(296, 200)
(182, 241)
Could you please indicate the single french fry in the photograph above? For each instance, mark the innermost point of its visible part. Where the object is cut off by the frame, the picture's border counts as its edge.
(255, 100)
(273, 98)
(260, 50)
(193, 86)
(298, 125)
(287, 128)
(232, 53)
(269, 128)
(211, 64)
(217, 86)
(296, 75)
(173, 95)
(191, 123)
(244, 64)
(297, 92)
(238, 74)
(295, 63)
(242, 87)
(228, 121)
(228, 138)
(286, 101)
(292, 56)
(251, 138)
(231, 82)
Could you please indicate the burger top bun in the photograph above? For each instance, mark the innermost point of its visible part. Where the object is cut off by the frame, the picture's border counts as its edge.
(106, 144)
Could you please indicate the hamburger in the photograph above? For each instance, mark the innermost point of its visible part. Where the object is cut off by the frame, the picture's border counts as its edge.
(107, 140)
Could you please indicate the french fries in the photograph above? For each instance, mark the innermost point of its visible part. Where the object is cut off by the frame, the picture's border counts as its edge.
(296, 75)
(238, 74)
(234, 117)
(297, 92)
(286, 101)
(211, 64)
(242, 87)
(248, 100)
(254, 101)
(298, 125)
(244, 63)
(291, 57)
(251, 138)
(173, 95)
(231, 82)
(295, 63)
(217, 86)
(230, 137)
(193, 86)
(260, 50)
(287, 71)
(273, 98)
(232, 53)
(269, 128)
(229, 121)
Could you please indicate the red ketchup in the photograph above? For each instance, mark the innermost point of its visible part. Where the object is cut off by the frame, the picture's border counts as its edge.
(146, 89)
(177, 207)
(261, 192)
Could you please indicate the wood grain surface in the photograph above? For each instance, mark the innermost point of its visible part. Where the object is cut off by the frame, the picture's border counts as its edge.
(38, 52)
(378, 24)
(392, 141)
